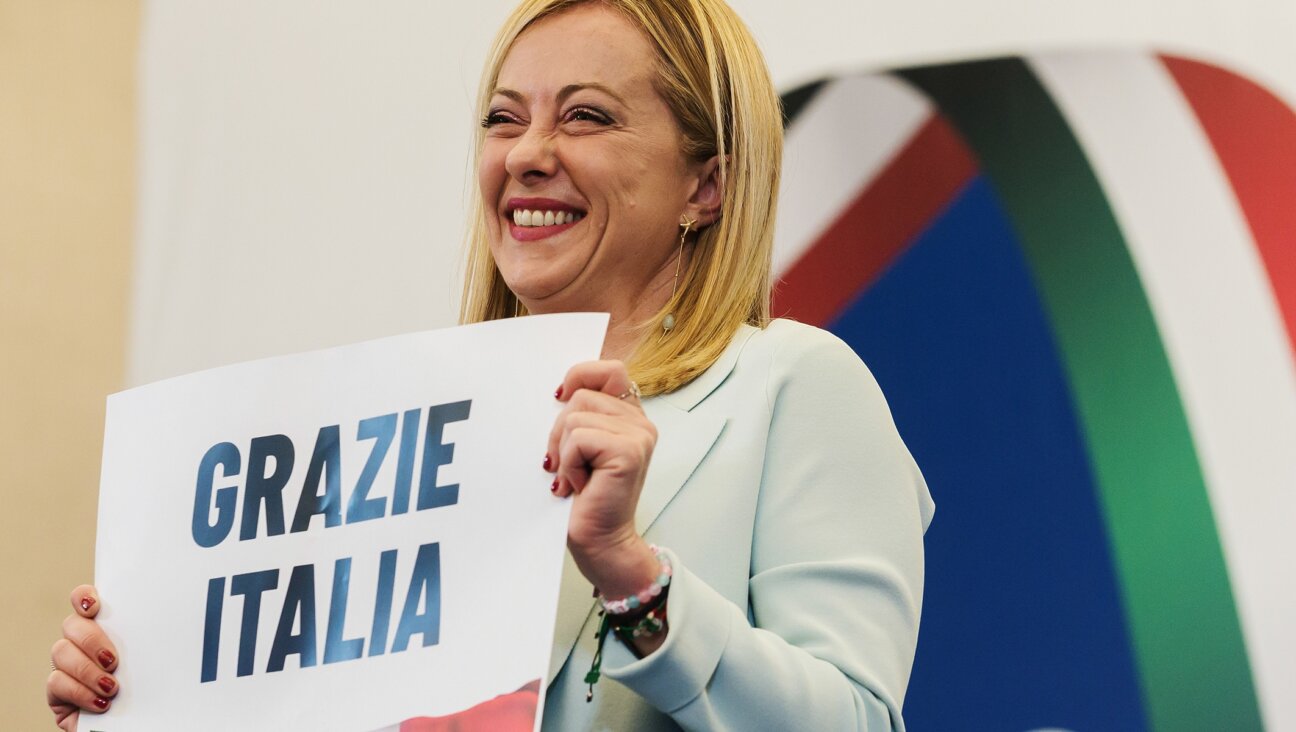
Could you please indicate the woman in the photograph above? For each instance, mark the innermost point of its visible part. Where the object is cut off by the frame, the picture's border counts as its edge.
(628, 162)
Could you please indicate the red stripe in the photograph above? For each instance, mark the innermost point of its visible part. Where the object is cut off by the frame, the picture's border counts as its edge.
(1254, 136)
(884, 218)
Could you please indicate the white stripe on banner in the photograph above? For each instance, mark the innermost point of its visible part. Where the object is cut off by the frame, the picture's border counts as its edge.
(1220, 324)
(843, 138)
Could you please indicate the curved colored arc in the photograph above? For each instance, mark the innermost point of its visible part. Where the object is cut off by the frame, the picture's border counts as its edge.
(795, 100)
(1022, 623)
(880, 222)
(1254, 136)
(1191, 657)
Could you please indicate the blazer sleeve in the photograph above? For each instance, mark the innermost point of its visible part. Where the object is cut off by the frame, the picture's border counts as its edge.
(836, 575)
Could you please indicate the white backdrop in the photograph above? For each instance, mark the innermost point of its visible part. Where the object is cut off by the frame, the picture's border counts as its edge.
(303, 165)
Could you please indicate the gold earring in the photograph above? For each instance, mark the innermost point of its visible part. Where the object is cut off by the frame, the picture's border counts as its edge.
(686, 225)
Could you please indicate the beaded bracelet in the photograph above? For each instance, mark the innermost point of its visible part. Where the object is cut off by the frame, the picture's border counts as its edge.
(646, 595)
(640, 614)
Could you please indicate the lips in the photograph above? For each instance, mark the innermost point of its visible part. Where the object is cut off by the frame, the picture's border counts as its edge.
(539, 218)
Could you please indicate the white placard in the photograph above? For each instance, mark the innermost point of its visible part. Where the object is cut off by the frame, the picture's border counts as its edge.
(337, 540)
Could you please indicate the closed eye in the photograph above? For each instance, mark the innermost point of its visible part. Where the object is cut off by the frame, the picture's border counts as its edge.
(494, 118)
(588, 114)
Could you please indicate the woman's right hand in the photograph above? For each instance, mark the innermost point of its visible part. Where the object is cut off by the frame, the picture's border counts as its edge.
(83, 661)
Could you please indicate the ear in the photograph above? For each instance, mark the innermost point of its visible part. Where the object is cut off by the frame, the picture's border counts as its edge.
(704, 205)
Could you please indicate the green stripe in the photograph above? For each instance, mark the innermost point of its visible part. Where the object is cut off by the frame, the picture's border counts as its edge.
(1187, 638)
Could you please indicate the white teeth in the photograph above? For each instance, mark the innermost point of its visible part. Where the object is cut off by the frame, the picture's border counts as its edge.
(523, 217)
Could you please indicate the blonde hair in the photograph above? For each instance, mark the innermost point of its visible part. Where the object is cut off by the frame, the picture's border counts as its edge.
(714, 79)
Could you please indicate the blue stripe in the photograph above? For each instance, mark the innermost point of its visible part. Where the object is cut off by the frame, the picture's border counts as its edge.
(1022, 621)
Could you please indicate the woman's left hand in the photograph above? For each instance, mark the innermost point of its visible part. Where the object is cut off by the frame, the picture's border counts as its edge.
(599, 449)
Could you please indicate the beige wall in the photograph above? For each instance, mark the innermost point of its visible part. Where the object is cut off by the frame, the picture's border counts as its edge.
(67, 145)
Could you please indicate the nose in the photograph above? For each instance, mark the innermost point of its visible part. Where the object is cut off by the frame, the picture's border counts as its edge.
(533, 157)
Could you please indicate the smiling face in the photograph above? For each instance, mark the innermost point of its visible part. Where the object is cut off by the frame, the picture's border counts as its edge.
(581, 173)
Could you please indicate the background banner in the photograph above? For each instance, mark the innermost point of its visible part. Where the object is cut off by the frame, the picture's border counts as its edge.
(1073, 276)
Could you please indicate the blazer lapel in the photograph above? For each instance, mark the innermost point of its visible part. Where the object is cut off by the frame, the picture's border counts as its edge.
(684, 439)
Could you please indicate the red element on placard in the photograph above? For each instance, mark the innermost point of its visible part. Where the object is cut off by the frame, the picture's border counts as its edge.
(505, 713)
(887, 215)
(1254, 136)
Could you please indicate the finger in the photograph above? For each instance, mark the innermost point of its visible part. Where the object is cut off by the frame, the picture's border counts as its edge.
(75, 663)
(587, 449)
(562, 432)
(61, 689)
(85, 601)
(592, 400)
(609, 377)
(632, 431)
(584, 411)
(574, 473)
(88, 635)
(588, 401)
(561, 487)
(66, 716)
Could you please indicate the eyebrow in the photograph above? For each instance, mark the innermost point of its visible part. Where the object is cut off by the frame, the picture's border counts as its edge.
(565, 92)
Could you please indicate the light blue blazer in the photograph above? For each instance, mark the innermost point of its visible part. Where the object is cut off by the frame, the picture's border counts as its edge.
(795, 517)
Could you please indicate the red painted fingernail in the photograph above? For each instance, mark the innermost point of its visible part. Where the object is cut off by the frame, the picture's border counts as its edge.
(106, 658)
(548, 461)
(558, 392)
(107, 684)
(101, 702)
(87, 602)
(554, 488)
